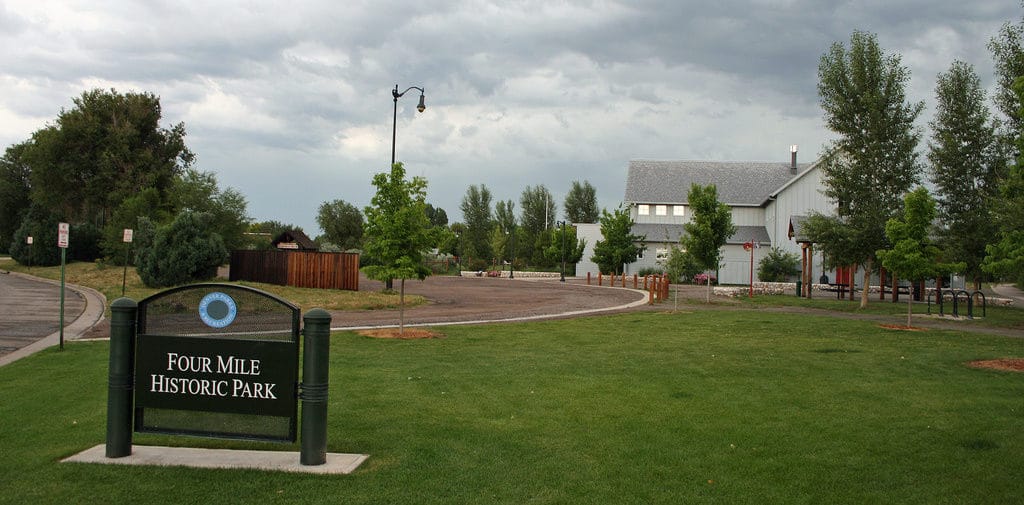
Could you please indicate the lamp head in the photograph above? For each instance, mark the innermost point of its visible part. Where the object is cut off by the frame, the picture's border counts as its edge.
(422, 106)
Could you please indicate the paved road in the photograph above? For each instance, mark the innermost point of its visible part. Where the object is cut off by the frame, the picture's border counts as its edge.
(30, 310)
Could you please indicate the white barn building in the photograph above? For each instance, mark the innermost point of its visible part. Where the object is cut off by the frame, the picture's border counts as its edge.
(765, 199)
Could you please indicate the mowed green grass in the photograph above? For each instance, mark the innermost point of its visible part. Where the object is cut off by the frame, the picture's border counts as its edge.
(710, 406)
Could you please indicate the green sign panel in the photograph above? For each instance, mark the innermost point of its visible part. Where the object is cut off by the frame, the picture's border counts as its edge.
(217, 360)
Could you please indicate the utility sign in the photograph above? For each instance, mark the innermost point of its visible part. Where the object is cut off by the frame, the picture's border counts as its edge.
(28, 240)
(63, 230)
(128, 232)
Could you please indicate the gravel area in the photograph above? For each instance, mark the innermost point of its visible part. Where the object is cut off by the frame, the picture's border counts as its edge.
(459, 299)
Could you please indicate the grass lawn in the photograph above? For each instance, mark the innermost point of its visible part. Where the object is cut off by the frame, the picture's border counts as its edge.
(709, 406)
(108, 279)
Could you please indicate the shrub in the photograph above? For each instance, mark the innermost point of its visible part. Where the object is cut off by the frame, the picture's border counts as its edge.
(778, 266)
(182, 251)
(41, 225)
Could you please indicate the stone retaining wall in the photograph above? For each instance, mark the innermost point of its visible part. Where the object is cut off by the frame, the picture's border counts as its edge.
(504, 274)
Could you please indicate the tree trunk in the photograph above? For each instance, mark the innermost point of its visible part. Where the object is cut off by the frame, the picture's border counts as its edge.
(867, 280)
(910, 304)
(401, 309)
(707, 298)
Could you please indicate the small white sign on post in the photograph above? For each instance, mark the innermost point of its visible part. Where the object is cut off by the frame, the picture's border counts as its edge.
(128, 232)
(63, 230)
(28, 240)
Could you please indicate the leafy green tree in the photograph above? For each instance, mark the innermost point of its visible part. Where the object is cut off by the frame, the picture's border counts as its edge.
(183, 251)
(873, 161)
(912, 255)
(1008, 55)
(538, 210)
(40, 223)
(476, 212)
(106, 148)
(563, 240)
(198, 192)
(14, 190)
(342, 224)
(581, 203)
(536, 217)
(967, 163)
(397, 230)
(620, 246)
(710, 226)
(505, 215)
(146, 204)
(1005, 256)
(437, 216)
(680, 265)
(778, 266)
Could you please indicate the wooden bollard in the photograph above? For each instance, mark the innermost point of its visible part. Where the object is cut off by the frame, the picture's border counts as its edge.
(599, 276)
(636, 281)
(588, 278)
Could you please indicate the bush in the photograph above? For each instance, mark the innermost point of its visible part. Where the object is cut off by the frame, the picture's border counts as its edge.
(644, 272)
(778, 266)
(182, 252)
(41, 225)
(702, 279)
(84, 242)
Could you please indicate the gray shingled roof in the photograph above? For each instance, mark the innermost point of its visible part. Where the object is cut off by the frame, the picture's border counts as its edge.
(662, 233)
(738, 183)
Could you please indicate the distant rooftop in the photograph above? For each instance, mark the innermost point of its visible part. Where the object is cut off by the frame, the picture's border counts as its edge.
(739, 182)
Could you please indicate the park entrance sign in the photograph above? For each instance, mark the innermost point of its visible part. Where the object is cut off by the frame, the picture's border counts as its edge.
(217, 360)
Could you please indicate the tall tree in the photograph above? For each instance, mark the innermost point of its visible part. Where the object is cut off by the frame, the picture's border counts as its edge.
(564, 245)
(342, 224)
(536, 217)
(505, 215)
(1005, 256)
(476, 213)
(106, 148)
(14, 189)
(873, 160)
(436, 215)
(710, 226)
(581, 203)
(199, 192)
(538, 209)
(619, 246)
(912, 255)
(397, 230)
(966, 167)
(1008, 55)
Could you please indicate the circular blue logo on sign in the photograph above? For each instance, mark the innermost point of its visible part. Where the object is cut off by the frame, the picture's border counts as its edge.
(217, 310)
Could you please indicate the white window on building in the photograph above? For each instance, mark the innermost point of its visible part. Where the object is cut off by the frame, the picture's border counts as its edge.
(662, 253)
(679, 210)
(661, 210)
(643, 209)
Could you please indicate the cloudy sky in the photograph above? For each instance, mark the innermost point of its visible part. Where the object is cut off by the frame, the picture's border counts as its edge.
(290, 102)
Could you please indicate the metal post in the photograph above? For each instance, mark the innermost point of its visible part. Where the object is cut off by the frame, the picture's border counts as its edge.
(63, 257)
(123, 314)
(315, 368)
(562, 278)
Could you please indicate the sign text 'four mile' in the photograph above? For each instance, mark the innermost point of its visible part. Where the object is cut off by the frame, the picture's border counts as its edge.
(216, 365)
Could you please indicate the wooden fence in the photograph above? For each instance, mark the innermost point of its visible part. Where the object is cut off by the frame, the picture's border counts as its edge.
(303, 269)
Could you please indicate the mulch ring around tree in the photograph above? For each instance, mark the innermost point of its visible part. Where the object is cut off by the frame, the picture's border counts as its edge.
(1004, 364)
(406, 334)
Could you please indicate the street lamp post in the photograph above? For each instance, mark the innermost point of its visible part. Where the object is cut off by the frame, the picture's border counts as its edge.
(394, 130)
(394, 125)
(562, 224)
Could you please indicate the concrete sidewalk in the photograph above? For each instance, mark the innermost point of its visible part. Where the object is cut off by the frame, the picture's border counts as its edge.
(1010, 291)
(95, 305)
